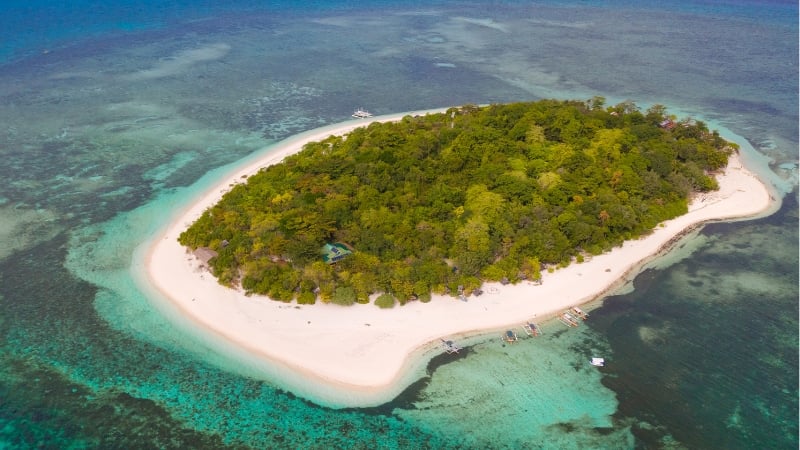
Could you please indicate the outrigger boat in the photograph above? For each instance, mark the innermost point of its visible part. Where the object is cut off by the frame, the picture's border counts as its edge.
(510, 336)
(579, 312)
(598, 362)
(450, 347)
(362, 114)
(568, 320)
(531, 329)
(573, 317)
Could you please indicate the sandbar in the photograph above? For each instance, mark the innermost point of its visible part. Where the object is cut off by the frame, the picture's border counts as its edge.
(363, 355)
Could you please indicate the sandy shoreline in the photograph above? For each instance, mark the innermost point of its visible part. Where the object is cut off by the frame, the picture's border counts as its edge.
(361, 355)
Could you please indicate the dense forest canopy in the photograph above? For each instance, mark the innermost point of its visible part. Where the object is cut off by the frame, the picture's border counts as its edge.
(442, 202)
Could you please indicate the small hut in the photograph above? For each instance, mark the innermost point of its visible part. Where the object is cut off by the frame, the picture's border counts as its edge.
(333, 253)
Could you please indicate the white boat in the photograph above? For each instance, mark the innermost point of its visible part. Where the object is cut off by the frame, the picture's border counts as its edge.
(362, 114)
(510, 336)
(450, 347)
(531, 329)
(579, 312)
(598, 362)
(568, 320)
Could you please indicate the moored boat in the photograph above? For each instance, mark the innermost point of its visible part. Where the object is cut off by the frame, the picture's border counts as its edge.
(531, 329)
(450, 347)
(362, 114)
(568, 320)
(510, 336)
(579, 312)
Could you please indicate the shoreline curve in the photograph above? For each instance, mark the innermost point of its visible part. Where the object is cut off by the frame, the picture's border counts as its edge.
(363, 355)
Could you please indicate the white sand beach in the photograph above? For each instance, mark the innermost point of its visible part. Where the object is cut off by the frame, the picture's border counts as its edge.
(365, 353)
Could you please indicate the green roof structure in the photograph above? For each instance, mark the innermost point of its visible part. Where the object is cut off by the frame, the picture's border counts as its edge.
(333, 253)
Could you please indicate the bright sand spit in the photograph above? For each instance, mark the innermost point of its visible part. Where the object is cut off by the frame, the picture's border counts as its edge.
(362, 355)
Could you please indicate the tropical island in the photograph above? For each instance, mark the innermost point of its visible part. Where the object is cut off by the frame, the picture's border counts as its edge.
(442, 203)
(363, 355)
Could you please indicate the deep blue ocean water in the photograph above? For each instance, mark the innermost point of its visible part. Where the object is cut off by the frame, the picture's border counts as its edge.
(112, 115)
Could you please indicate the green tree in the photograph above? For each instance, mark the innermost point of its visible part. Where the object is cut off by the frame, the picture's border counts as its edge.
(344, 295)
(477, 193)
(385, 301)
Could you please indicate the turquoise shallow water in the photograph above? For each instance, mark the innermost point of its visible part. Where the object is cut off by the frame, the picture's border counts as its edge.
(108, 131)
